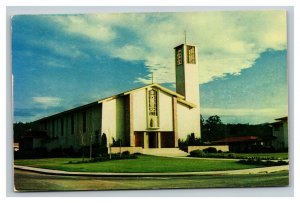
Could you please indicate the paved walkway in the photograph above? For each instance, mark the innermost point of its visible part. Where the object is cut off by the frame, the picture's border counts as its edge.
(100, 174)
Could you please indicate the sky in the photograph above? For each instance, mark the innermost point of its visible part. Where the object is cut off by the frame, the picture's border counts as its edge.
(64, 61)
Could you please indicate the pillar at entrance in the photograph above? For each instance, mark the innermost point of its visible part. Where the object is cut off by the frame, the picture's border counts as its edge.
(158, 140)
(146, 140)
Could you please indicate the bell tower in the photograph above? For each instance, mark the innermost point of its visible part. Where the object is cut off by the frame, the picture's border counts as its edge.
(187, 84)
(186, 68)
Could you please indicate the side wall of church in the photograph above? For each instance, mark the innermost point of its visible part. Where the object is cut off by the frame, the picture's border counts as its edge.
(114, 120)
(165, 112)
(188, 121)
(139, 110)
(109, 120)
(60, 133)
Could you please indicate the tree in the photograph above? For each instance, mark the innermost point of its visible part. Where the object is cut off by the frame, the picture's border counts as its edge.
(82, 143)
(201, 121)
(215, 128)
(103, 145)
(214, 120)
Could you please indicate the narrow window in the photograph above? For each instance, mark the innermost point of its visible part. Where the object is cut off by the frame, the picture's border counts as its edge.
(191, 58)
(53, 127)
(62, 126)
(84, 122)
(153, 121)
(152, 103)
(72, 124)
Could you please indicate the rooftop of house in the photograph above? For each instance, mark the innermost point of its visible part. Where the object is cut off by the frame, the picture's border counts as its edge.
(279, 121)
(237, 139)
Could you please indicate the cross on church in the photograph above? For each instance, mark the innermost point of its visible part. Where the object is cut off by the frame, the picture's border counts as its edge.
(152, 77)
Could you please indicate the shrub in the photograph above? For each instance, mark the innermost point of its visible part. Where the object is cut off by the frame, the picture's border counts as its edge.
(56, 152)
(255, 161)
(197, 153)
(231, 155)
(210, 150)
(125, 153)
(183, 145)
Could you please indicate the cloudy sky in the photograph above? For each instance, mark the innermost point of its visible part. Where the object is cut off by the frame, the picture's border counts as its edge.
(63, 61)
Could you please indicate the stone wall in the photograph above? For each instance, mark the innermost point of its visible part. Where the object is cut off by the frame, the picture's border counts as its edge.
(223, 148)
(115, 150)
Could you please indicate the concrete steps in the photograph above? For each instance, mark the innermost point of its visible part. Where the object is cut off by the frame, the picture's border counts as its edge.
(168, 152)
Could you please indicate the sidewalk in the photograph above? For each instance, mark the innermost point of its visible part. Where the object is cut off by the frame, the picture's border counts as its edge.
(101, 174)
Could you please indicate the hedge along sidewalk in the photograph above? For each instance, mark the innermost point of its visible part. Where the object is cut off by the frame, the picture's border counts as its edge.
(101, 174)
(230, 156)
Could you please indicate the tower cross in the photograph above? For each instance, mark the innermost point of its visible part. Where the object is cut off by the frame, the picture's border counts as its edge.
(152, 77)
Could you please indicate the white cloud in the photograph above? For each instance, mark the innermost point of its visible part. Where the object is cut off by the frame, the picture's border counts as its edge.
(268, 112)
(47, 101)
(85, 25)
(130, 52)
(227, 41)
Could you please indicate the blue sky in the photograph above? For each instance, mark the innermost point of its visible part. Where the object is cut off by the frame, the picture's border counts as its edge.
(63, 61)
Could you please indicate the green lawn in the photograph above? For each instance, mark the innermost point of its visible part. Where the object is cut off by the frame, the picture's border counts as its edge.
(143, 163)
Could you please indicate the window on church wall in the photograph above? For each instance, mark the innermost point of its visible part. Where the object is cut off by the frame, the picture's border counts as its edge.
(62, 126)
(152, 109)
(72, 124)
(53, 128)
(84, 122)
(191, 58)
(153, 103)
(45, 126)
(179, 57)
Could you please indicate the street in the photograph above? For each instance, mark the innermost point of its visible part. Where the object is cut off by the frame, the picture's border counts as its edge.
(31, 181)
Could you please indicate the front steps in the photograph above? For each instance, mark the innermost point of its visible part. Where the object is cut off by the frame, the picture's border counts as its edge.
(168, 152)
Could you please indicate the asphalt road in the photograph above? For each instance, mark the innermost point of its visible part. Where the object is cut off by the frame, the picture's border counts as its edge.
(31, 181)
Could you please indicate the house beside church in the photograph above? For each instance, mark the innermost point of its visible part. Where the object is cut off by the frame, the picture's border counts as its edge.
(280, 133)
(151, 116)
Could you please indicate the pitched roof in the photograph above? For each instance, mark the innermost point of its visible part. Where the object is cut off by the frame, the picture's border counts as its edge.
(180, 99)
(279, 121)
(237, 139)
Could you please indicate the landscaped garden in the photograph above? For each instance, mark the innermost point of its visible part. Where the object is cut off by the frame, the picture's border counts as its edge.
(144, 163)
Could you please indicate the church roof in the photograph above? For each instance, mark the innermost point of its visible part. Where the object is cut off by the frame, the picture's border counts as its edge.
(180, 99)
(166, 90)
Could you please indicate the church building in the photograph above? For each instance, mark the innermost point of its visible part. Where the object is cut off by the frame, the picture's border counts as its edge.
(151, 116)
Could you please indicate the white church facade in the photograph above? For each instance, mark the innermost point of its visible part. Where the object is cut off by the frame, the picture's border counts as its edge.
(151, 116)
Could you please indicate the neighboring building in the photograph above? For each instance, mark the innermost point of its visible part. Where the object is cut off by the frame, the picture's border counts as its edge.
(149, 117)
(280, 133)
(241, 144)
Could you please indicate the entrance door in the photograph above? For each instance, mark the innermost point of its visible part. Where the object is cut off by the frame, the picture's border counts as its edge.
(153, 140)
(167, 140)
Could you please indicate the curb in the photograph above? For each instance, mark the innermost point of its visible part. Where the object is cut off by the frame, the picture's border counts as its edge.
(263, 170)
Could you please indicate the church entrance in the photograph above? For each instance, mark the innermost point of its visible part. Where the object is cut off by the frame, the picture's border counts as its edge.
(167, 140)
(153, 139)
